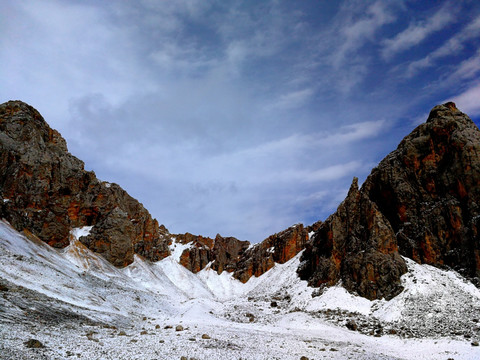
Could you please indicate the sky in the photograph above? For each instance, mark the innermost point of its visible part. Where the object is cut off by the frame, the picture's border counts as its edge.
(238, 117)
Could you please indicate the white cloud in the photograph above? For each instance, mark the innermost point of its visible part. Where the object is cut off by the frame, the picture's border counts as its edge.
(354, 31)
(293, 99)
(468, 101)
(453, 45)
(418, 32)
(467, 69)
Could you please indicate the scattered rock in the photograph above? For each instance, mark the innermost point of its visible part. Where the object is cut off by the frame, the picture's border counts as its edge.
(205, 336)
(179, 328)
(474, 343)
(273, 304)
(34, 344)
(351, 325)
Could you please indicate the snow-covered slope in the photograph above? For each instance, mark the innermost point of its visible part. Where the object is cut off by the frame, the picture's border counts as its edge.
(78, 305)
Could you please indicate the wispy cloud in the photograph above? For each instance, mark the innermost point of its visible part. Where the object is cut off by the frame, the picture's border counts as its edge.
(417, 32)
(468, 101)
(453, 45)
(293, 99)
(354, 30)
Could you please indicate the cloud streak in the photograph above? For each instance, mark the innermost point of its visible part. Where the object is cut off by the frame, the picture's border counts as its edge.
(417, 32)
(453, 45)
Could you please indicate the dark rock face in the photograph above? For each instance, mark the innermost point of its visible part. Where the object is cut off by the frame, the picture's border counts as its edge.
(429, 190)
(222, 252)
(357, 245)
(46, 190)
(199, 254)
(420, 202)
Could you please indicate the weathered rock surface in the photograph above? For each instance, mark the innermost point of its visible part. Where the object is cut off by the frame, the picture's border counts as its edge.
(420, 202)
(278, 248)
(356, 245)
(429, 190)
(232, 255)
(45, 189)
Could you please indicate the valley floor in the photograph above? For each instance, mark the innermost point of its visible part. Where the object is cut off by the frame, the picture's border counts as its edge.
(80, 307)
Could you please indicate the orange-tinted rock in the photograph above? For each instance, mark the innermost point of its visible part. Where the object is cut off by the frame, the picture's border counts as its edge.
(439, 195)
(239, 257)
(422, 201)
(278, 248)
(46, 190)
(357, 246)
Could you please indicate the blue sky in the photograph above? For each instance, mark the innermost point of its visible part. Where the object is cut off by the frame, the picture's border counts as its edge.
(238, 118)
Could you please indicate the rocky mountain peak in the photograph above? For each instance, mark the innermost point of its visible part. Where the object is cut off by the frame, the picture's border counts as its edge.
(47, 191)
(421, 202)
(28, 126)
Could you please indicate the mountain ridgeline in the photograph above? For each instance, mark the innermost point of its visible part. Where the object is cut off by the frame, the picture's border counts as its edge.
(420, 202)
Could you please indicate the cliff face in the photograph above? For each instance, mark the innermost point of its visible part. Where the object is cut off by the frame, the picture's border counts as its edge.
(429, 190)
(46, 190)
(421, 202)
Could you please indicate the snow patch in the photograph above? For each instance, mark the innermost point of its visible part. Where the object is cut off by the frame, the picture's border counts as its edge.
(78, 232)
(177, 250)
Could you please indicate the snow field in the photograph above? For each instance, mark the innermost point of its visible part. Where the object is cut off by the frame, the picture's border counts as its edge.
(78, 305)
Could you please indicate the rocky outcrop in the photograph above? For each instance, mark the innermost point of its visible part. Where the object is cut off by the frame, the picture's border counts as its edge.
(222, 253)
(199, 254)
(239, 257)
(420, 202)
(278, 248)
(45, 189)
(356, 245)
(429, 190)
